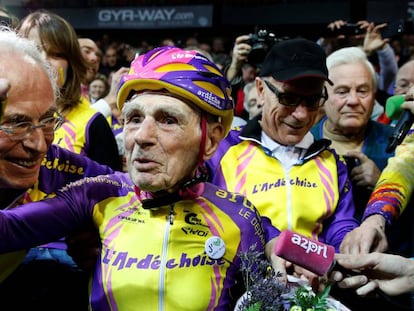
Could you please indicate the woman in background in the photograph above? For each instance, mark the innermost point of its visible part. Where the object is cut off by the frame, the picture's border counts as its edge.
(98, 88)
(85, 130)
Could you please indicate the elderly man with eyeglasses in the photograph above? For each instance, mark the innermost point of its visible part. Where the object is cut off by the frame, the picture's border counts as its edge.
(274, 160)
(30, 169)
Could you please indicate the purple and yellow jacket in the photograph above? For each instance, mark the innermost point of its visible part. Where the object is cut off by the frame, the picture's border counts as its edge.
(394, 187)
(313, 197)
(164, 258)
(59, 167)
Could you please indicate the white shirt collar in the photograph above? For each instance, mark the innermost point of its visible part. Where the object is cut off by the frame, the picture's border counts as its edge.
(287, 155)
(272, 145)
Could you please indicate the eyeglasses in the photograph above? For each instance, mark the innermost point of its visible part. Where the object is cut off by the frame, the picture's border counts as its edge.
(294, 100)
(21, 130)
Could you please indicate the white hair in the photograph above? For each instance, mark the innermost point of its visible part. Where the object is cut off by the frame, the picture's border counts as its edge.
(246, 89)
(11, 42)
(351, 55)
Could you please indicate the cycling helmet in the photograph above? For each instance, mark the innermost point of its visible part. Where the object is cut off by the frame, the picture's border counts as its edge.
(187, 74)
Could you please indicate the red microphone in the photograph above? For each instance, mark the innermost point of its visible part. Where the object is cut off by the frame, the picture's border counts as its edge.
(310, 254)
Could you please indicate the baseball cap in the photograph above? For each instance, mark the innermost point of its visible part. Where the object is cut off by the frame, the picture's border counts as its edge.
(294, 59)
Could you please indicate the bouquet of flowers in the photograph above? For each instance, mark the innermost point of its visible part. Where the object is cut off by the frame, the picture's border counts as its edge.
(265, 293)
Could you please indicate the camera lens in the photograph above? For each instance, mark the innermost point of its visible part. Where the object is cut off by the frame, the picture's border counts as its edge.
(261, 43)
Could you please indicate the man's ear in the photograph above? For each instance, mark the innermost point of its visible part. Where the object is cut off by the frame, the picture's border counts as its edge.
(260, 91)
(215, 134)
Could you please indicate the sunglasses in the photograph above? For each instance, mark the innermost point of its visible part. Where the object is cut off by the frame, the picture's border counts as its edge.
(294, 100)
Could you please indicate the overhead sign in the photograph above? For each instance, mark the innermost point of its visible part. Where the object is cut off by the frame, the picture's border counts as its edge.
(194, 16)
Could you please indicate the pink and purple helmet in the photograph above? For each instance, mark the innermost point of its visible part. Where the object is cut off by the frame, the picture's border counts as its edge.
(187, 74)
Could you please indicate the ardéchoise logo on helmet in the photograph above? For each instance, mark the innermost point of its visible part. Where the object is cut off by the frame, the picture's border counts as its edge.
(188, 54)
(209, 98)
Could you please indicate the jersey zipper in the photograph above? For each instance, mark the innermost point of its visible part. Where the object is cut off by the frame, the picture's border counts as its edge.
(288, 198)
(163, 266)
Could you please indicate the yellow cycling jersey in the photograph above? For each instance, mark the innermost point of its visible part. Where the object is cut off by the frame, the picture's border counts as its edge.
(72, 135)
(183, 256)
(284, 196)
(311, 197)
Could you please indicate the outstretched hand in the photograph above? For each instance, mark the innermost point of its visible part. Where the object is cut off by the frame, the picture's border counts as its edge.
(338, 27)
(368, 237)
(392, 274)
(373, 40)
(283, 267)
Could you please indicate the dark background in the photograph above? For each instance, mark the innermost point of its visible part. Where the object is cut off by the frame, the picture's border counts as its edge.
(232, 18)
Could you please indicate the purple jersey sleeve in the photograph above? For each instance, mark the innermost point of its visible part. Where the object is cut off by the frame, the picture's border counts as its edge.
(44, 221)
(61, 166)
(343, 220)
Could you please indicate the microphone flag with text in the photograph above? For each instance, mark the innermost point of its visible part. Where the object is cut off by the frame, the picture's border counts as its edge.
(308, 253)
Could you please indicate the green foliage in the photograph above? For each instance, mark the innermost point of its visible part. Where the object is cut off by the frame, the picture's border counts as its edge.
(305, 298)
(266, 293)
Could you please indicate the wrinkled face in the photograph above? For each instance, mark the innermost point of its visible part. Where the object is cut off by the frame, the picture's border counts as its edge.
(162, 141)
(30, 98)
(91, 54)
(405, 78)
(351, 98)
(58, 62)
(97, 89)
(287, 125)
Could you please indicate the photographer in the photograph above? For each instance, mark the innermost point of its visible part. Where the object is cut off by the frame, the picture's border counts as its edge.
(241, 51)
(248, 53)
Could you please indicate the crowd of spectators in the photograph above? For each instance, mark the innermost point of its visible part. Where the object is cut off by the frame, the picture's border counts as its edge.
(116, 53)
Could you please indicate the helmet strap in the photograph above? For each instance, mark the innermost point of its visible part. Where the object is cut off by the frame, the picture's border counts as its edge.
(203, 126)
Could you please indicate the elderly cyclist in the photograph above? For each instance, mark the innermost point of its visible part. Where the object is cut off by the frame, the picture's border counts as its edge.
(164, 230)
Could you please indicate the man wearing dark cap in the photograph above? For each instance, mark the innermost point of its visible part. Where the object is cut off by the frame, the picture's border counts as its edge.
(275, 161)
